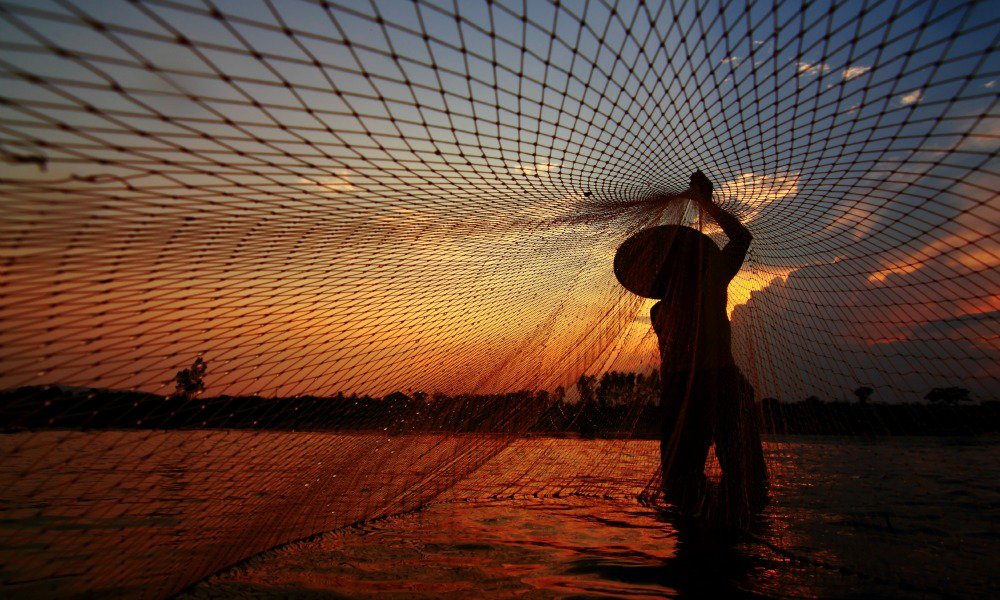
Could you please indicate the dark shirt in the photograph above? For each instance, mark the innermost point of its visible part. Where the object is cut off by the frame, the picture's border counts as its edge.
(691, 322)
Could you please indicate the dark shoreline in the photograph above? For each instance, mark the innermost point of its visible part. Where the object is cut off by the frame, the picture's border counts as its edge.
(37, 408)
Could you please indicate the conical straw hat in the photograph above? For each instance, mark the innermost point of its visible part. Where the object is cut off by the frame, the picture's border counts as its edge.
(643, 262)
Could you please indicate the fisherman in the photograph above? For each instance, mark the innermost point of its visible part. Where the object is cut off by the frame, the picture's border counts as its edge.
(705, 397)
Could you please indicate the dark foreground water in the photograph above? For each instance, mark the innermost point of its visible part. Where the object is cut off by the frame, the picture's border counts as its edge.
(536, 549)
(850, 518)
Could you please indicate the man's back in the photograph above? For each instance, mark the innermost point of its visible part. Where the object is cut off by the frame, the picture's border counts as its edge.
(691, 322)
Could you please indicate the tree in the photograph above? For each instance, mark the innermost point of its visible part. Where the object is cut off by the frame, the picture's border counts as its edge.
(615, 389)
(559, 394)
(587, 407)
(542, 399)
(863, 393)
(190, 381)
(585, 387)
(949, 395)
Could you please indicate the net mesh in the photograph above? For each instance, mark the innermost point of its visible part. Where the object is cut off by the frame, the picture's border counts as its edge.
(397, 220)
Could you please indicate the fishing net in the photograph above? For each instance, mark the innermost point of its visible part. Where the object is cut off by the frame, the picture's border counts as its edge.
(272, 268)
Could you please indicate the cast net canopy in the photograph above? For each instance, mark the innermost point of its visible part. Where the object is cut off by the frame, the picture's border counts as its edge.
(331, 202)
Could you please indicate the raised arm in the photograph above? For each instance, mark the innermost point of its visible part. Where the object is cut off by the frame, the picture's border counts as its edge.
(739, 236)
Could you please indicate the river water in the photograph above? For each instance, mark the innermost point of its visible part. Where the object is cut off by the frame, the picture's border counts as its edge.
(146, 514)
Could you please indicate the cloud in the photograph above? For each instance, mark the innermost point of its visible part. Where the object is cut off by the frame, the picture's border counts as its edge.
(813, 69)
(966, 252)
(964, 238)
(898, 268)
(853, 72)
(341, 182)
(748, 281)
(983, 136)
(917, 315)
(911, 98)
(751, 192)
(967, 326)
(826, 328)
(731, 59)
(543, 169)
(857, 219)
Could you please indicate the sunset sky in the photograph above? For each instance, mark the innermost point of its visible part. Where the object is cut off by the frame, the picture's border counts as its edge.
(368, 197)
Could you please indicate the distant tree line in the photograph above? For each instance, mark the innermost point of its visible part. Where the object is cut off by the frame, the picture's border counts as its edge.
(616, 404)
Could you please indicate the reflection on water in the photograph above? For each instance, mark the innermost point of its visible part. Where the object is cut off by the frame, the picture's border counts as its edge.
(148, 513)
(533, 549)
(152, 511)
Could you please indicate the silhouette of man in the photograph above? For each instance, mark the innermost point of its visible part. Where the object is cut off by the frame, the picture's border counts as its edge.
(705, 397)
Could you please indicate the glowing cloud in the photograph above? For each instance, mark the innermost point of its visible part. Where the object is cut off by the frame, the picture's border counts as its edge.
(751, 193)
(540, 169)
(748, 281)
(852, 72)
(898, 268)
(813, 69)
(956, 251)
(911, 98)
(341, 182)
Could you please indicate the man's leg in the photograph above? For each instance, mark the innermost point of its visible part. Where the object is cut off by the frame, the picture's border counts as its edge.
(686, 436)
(739, 449)
(749, 426)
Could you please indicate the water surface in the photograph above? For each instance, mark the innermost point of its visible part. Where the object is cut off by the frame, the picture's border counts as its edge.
(149, 513)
